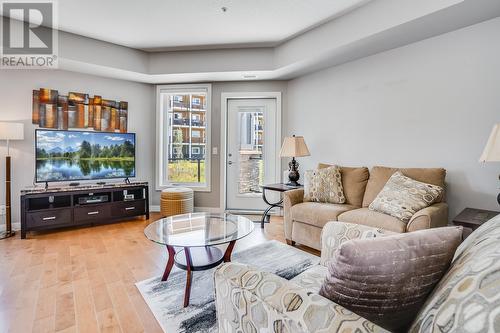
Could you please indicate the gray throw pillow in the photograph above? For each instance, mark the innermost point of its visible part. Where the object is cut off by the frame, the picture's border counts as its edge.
(387, 280)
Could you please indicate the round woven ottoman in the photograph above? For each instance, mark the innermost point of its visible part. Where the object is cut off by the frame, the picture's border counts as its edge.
(176, 200)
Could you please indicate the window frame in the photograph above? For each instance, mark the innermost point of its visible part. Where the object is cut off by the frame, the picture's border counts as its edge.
(162, 138)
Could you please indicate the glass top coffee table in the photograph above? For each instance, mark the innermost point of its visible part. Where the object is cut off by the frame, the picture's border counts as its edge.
(198, 234)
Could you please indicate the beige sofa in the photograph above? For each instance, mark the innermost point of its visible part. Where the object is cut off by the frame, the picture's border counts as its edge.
(303, 221)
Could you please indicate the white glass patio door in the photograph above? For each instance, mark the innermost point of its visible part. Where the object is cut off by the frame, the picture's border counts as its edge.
(251, 153)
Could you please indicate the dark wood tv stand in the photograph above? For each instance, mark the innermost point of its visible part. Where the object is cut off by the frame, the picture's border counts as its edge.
(52, 208)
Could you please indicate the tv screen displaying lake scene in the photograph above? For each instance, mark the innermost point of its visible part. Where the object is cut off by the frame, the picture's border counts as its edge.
(78, 155)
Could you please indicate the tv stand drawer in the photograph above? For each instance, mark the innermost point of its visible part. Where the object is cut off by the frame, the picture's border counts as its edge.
(132, 208)
(92, 213)
(48, 218)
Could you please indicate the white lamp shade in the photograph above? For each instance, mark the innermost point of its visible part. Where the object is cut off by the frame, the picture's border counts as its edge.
(491, 151)
(294, 146)
(11, 131)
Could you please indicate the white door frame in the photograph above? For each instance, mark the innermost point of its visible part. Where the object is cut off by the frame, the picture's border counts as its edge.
(223, 142)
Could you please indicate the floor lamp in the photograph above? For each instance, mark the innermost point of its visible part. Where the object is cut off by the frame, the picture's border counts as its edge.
(8, 132)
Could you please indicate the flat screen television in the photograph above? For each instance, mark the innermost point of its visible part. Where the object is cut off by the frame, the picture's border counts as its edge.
(82, 155)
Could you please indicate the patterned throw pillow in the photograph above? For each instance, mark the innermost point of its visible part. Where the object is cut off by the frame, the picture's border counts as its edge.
(387, 279)
(324, 185)
(402, 197)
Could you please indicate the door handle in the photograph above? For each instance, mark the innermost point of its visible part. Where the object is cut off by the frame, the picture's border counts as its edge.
(130, 208)
(230, 162)
(93, 213)
(49, 218)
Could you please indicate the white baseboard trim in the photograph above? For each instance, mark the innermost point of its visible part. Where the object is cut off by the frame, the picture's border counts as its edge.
(15, 226)
(273, 212)
(156, 209)
(208, 210)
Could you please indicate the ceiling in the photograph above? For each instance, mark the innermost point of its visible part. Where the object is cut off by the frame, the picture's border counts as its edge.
(158, 25)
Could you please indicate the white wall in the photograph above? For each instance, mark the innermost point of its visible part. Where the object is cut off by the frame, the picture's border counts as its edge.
(16, 95)
(428, 104)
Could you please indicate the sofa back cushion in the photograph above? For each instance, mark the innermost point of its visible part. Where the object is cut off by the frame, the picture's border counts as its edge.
(387, 279)
(467, 299)
(379, 176)
(353, 182)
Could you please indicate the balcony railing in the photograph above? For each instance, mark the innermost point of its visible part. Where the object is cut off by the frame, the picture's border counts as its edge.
(180, 104)
(185, 105)
(185, 141)
(197, 140)
(185, 122)
(198, 107)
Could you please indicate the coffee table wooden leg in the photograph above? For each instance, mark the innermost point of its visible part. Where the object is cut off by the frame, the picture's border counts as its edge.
(170, 262)
(189, 276)
(229, 250)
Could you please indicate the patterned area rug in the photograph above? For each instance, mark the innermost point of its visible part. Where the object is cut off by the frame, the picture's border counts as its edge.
(165, 298)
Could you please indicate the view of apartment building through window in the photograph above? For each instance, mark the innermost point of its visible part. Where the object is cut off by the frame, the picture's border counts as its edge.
(251, 152)
(186, 137)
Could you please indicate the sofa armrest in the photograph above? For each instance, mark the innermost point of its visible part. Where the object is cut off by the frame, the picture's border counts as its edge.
(335, 233)
(254, 301)
(433, 216)
(290, 198)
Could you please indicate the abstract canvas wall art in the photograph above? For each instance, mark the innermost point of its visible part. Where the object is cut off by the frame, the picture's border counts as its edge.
(78, 110)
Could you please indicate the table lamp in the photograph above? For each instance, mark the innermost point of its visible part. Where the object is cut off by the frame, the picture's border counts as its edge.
(294, 146)
(491, 152)
(8, 132)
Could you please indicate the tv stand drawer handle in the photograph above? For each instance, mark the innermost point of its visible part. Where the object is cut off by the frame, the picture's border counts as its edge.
(50, 218)
(130, 208)
(93, 213)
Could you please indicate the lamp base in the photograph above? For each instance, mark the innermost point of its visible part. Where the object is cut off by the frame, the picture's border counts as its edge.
(293, 175)
(7, 234)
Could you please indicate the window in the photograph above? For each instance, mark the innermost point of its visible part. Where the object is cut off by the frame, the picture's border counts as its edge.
(183, 135)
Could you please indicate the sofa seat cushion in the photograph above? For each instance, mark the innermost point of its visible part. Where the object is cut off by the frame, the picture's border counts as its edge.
(374, 219)
(312, 279)
(317, 213)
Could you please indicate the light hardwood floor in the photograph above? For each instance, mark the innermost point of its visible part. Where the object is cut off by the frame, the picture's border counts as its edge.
(83, 280)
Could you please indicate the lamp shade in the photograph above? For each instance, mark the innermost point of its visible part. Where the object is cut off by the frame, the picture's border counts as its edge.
(11, 131)
(294, 146)
(491, 151)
